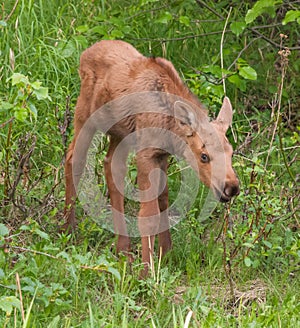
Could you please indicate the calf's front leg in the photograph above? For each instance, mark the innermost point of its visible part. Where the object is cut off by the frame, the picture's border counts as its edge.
(149, 215)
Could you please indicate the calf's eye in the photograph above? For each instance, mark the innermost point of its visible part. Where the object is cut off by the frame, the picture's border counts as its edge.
(204, 158)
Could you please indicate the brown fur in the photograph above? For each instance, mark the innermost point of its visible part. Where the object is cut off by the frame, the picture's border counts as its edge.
(112, 69)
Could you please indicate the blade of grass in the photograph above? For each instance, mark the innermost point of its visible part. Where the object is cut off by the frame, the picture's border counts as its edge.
(28, 312)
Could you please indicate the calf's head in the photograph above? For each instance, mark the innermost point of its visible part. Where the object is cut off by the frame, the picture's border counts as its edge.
(209, 151)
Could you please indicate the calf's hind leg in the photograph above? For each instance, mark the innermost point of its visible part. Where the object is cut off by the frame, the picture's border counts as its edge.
(72, 178)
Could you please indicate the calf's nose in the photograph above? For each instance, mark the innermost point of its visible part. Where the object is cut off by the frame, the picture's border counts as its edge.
(231, 190)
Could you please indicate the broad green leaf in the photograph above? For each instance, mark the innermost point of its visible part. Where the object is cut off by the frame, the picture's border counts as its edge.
(213, 69)
(3, 23)
(81, 40)
(99, 30)
(267, 243)
(291, 16)
(4, 106)
(42, 234)
(24, 227)
(117, 34)
(41, 93)
(54, 323)
(114, 272)
(3, 230)
(216, 70)
(82, 28)
(249, 245)
(248, 73)
(18, 78)
(185, 20)
(2, 274)
(242, 62)
(21, 114)
(32, 109)
(67, 49)
(7, 303)
(230, 234)
(36, 85)
(247, 261)
(64, 255)
(260, 7)
(165, 18)
(238, 82)
(237, 28)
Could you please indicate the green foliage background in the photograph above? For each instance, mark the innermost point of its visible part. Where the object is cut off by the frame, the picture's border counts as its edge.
(250, 247)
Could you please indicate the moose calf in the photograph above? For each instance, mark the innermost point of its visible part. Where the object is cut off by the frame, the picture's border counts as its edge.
(113, 70)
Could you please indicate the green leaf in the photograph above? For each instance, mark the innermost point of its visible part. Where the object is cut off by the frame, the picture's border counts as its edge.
(32, 109)
(247, 261)
(230, 234)
(24, 228)
(7, 303)
(260, 7)
(21, 114)
(238, 82)
(117, 34)
(99, 30)
(165, 18)
(3, 23)
(18, 78)
(248, 73)
(2, 274)
(67, 49)
(81, 40)
(41, 93)
(185, 20)
(4, 106)
(249, 245)
(114, 272)
(237, 27)
(54, 323)
(291, 16)
(82, 28)
(42, 234)
(65, 256)
(213, 69)
(3, 230)
(36, 85)
(267, 243)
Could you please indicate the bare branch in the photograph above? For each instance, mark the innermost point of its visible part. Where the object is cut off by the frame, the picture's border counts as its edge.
(202, 3)
(193, 36)
(7, 122)
(241, 52)
(12, 11)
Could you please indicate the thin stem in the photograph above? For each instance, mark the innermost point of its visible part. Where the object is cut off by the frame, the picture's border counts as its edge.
(284, 60)
(221, 50)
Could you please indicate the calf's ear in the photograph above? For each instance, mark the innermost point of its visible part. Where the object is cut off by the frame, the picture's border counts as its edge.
(185, 117)
(224, 118)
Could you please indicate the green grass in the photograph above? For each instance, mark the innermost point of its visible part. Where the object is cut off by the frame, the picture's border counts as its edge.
(78, 282)
(237, 268)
